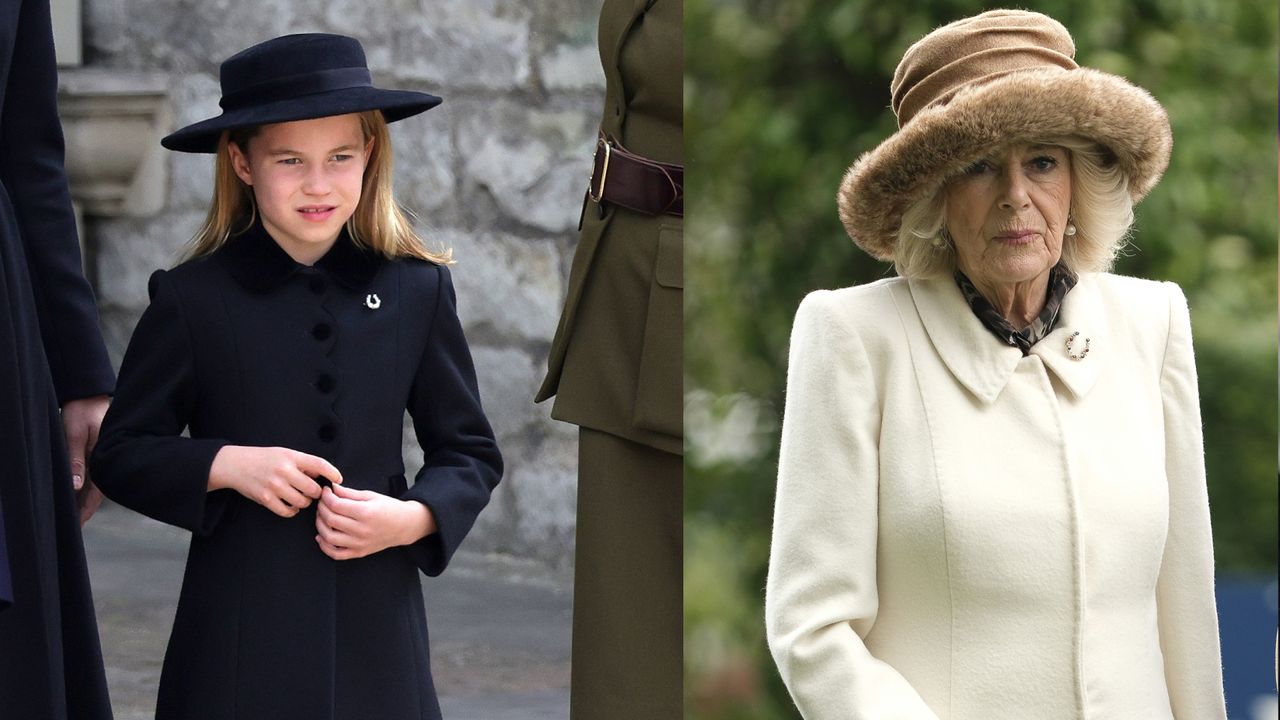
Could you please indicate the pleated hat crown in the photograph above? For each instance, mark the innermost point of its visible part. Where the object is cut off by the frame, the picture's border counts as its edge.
(976, 50)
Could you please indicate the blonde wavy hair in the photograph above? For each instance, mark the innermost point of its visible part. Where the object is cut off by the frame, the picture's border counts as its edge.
(1101, 210)
(378, 223)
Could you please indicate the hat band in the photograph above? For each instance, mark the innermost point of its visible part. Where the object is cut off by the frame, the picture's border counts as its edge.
(296, 86)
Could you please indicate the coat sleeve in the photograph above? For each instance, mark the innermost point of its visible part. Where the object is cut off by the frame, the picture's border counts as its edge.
(821, 597)
(1185, 605)
(6, 581)
(461, 462)
(141, 460)
(31, 168)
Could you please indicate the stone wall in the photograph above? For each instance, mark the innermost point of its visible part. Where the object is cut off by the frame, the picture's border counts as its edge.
(496, 172)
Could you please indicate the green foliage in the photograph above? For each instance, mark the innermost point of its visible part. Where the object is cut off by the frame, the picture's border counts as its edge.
(780, 97)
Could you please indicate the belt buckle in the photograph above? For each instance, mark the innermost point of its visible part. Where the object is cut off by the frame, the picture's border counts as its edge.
(604, 171)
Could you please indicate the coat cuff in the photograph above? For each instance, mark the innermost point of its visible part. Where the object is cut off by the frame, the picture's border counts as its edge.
(202, 509)
(430, 554)
(454, 516)
(95, 378)
(173, 489)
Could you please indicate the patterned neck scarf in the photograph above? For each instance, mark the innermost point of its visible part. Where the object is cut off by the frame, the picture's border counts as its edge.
(1061, 280)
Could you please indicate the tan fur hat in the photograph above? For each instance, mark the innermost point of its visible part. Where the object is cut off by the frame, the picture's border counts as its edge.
(981, 83)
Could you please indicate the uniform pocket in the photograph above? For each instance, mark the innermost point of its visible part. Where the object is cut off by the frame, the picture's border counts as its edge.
(659, 403)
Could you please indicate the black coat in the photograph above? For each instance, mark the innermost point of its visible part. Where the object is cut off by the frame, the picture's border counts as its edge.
(51, 351)
(247, 347)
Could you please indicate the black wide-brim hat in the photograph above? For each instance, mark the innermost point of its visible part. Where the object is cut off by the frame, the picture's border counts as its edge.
(296, 77)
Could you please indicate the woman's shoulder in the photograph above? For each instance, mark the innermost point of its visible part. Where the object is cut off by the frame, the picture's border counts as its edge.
(1137, 299)
(856, 299)
(1133, 287)
(1150, 313)
(856, 304)
(857, 308)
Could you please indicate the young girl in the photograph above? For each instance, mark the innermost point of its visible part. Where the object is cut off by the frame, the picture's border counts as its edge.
(308, 319)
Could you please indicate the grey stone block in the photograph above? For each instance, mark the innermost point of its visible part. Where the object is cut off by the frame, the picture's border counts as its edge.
(117, 327)
(508, 379)
(194, 97)
(425, 161)
(570, 67)
(545, 494)
(508, 287)
(129, 250)
(479, 44)
(186, 36)
(533, 163)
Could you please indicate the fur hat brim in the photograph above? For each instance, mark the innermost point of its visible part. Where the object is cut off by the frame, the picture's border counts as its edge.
(1023, 106)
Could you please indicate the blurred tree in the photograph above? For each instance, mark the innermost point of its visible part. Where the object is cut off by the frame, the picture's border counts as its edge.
(780, 97)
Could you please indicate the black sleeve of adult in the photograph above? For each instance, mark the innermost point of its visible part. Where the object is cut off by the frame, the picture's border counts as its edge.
(35, 180)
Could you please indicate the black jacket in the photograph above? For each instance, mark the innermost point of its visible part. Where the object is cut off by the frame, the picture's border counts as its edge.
(247, 347)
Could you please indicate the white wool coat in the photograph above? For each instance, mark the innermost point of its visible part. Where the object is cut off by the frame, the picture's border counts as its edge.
(965, 533)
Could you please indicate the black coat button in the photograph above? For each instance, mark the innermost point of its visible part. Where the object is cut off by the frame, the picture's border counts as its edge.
(325, 383)
(321, 332)
(327, 432)
(318, 285)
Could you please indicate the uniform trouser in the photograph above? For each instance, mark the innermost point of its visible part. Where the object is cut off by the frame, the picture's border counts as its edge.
(628, 582)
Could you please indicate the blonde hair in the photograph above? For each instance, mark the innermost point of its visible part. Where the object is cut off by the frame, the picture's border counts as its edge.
(378, 223)
(1101, 210)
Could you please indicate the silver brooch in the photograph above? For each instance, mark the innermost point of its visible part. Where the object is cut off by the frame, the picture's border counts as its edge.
(373, 302)
(1071, 341)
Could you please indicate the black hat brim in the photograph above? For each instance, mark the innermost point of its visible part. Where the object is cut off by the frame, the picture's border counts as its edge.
(202, 137)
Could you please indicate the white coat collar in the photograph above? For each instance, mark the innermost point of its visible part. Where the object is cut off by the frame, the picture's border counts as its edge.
(984, 364)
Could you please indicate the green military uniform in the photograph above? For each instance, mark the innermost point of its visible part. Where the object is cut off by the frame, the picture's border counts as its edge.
(616, 371)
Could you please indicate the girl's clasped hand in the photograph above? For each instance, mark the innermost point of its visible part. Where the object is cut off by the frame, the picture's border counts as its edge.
(279, 479)
(349, 523)
(356, 523)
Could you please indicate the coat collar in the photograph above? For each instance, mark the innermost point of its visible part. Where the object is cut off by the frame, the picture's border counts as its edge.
(258, 263)
(984, 364)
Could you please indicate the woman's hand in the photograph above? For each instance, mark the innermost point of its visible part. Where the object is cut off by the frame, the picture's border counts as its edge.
(356, 523)
(279, 479)
(81, 420)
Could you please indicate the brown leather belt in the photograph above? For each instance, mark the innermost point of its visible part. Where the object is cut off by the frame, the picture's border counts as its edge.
(635, 182)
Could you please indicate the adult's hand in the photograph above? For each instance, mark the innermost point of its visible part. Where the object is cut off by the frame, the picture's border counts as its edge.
(81, 420)
(279, 479)
(88, 500)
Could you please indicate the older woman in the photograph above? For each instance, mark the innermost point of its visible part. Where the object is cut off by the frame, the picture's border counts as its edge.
(991, 493)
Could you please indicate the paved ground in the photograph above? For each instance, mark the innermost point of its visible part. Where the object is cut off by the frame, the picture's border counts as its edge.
(499, 628)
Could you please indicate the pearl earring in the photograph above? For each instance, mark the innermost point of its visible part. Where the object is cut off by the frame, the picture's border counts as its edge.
(941, 240)
(1071, 229)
